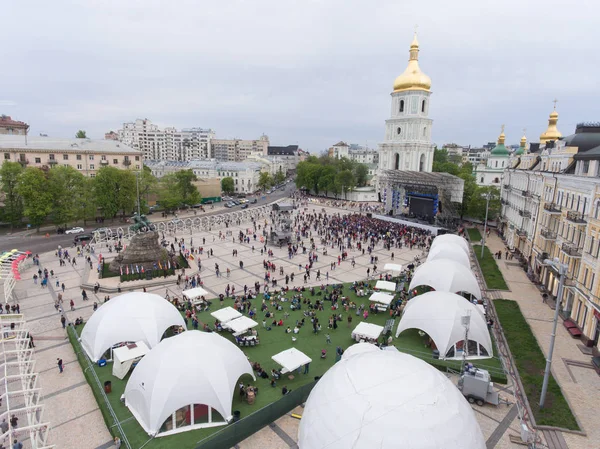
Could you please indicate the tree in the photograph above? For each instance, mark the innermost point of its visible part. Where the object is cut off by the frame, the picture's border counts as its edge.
(10, 173)
(361, 172)
(115, 190)
(279, 177)
(188, 191)
(265, 180)
(33, 187)
(169, 192)
(65, 184)
(227, 185)
(85, 200)
(148, 184)
(345, 179)
(81, 134)
(477, 203)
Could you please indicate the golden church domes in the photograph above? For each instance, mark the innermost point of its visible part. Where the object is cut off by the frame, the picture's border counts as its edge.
(413, 78)
(552, 132)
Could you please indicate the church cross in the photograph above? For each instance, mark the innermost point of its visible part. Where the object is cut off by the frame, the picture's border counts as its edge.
(555, 101)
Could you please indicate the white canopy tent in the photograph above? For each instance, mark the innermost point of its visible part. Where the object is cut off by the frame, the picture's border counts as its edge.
(393, 267)
(385, 285)
(194, 294)
(130, 317)
(366, 331)
(226, 314)
(291, 359)
(440, 315)
(451, 239)
(446, 276)
(387, 400)
(240, 325)
(449, 251)
(381, 298)
(125, 356)
(191, 368)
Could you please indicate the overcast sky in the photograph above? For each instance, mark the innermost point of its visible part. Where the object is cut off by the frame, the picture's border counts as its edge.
(303, 72)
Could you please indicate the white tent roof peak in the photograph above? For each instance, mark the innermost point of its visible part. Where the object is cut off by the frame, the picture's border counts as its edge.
(452, 239)
(386, 400)
(446, 276)
(129, 317)
(450, 251)
(191, 368)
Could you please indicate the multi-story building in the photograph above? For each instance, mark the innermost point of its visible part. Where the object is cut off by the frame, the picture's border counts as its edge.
(111, 135)
(168, 143)
(289, 154)
(84, 155)
(455, 152)
(476, 156)
(363, 155)
(339, 150)
(551, 210)
(489, 172)
(237, 150)
(10, 126)
(245, 174)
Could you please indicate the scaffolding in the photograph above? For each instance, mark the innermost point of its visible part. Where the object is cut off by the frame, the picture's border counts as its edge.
(20, 391)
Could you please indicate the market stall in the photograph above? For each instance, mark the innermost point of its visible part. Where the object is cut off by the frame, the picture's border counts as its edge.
(226, 314)
(125, 356)
(393, 267)
(383, 300)
(291, 359)
(367, 331)
(194, 295)
(240, 325)
(386, 286)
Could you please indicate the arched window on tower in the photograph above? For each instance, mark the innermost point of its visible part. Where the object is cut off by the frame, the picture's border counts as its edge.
(423, 106)
(424, 131)
(397, 162)
(496, 164)
(399, 130)
(422, 163)
(401, 105)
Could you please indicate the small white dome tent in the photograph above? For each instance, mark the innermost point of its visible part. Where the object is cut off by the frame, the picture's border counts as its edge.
(446, 276)
(449, 251)
(440, 315)
(186, 382)
(387, 400)
(129, 317)
(452, 239)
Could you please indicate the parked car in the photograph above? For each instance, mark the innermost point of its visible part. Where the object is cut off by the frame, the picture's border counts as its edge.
(245, 206)
(254, 201)
(75, 230)
(235, 202)
(83, 238)
(229, 205)
(243, 201)
(209, 202)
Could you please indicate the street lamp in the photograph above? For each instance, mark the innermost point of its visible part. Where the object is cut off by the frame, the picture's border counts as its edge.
(487, 207)
(562, 269)
(137, 184)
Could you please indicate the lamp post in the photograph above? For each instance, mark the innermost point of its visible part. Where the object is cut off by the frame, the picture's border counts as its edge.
(137, 184)
(561, 268)
(487, 207)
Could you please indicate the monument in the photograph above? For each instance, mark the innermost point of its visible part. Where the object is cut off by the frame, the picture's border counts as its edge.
(144, 250)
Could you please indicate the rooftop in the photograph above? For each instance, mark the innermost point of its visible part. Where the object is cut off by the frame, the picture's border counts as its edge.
(290, 150)
(204, 164)
(73, 145)
(6, 120)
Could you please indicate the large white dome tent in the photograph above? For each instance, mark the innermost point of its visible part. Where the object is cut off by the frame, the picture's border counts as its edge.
(186, 382)
(451, 239)
(446, 276)
(130, 317)
(385, 400)
(449, 251)
(440, 315)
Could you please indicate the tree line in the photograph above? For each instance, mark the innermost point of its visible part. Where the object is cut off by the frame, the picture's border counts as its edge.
(265, 182)
(62, 195)
(331, 175)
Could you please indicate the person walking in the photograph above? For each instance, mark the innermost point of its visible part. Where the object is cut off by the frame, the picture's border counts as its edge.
(63, 287)
(59, 362)
(63, 321)
(117, 442)
(17, 445)
(72, 304)
(306, 367)
(328, 339)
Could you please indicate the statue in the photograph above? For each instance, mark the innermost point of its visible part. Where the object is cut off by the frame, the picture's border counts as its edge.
(143, 250)
(141, 223)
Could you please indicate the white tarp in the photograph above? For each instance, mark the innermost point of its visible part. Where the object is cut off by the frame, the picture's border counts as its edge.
(291, 359)
(368, 331)
(413, 224)
(226, 314)
(446, 276)
(190, 368)
(240, 325)
(452, 239)
(386, 400)
(385, 285)
(381, 298)
(124, 357)
(450, 251)
(129, 317)
(394, 267)
(194, 294)
(440, 314)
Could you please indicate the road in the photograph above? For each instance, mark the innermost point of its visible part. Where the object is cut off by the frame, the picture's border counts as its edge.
(40, 243)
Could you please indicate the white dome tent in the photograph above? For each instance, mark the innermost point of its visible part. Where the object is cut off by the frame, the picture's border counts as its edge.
(449, 251)
(440, 315)
(452, 239)
(186, 382)
(130, 317)
(446, 276)
(385, 400)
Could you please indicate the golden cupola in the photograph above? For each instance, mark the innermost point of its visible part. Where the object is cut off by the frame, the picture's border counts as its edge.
(552, 132)
(413, 78)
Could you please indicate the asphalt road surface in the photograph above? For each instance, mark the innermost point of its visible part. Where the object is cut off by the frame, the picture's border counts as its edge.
(41, 244)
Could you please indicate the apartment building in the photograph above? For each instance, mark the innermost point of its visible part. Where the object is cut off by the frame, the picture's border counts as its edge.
(168, 143)
(339, 150)
(363, 155)
(551, 209)
(10, 126)
(237, 150)
(84, 155)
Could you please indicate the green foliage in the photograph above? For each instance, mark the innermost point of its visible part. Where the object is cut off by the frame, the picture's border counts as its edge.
(115, 190)
(477, 203)
(361, 173)
(66, 185)
(474, 235)
(227, 185)
(81, 134)
(530, 362)
(10, 173)
(33, 187)
(169, 194)
(345, 179)
(265, 180)
(188, 191)
(491, 273)
(148, 184)
(279, 177)
(324, 174)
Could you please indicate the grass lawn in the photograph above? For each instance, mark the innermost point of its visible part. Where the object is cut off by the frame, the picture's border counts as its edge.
(474, 234)
(272, 342)
(531, 363)
(489, 267)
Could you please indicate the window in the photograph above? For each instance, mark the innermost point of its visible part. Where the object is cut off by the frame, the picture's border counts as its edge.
(586, 167)
(65, 157)
(79, 167)
(103, 158)
(401, 105)
(126, 158)
(38, 160)
(397, 162)
(425, 131)
(92, 175)
(137, 167)
(6, 156)
(481, 180)
(137, 158)
(51, 157)
(91, 166)
(399, 130)
(423, 106)
(496, 164)
(91, 157)
(115, 161)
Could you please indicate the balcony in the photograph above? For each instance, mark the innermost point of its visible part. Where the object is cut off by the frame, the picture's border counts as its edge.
(552, 208)
(542, 257)
(548, 234)
(506, 186)
(571, 250)
(526, 193)
(52, 162)
(126, 162)
(522, 233)
(524, 213)
(104, 162)
(23, 162)
(575, 217)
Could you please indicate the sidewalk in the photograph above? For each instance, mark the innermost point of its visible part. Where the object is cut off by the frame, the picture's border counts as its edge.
(579, 382)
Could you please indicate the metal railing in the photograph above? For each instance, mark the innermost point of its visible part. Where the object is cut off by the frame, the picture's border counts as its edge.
(571, 250)
(548, 234)
(576, 217)
(552, 208)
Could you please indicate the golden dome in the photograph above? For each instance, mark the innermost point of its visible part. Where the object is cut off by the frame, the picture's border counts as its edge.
(552, 132)
(413, 78)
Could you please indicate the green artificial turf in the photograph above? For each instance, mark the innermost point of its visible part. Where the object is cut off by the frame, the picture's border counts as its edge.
(493, 277)
(531, 363)
(474, 234)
